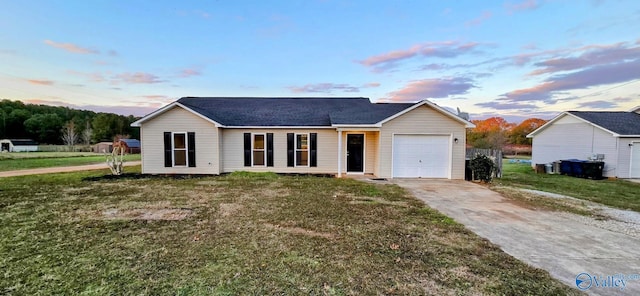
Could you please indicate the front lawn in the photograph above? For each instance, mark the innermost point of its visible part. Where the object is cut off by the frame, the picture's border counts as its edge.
(32, 160)
(615, 193)
(242, 234)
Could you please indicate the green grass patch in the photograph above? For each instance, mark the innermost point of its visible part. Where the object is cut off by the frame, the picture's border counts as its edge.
(22, 161)
(615, 193)
(242, 234)
(23, 155)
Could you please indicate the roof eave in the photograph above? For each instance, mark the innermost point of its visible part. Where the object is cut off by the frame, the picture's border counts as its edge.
(540, 129)
(356, 125)
(139, 122)
(468, 124)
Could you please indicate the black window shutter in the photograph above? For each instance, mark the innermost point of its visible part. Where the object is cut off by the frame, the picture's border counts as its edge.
(247, 149)
(269, 149)
(314, 148)
(168, 159)
(290, 147)
(191, 153)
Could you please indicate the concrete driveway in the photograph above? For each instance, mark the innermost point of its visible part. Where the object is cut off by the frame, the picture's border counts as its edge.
(564, 244)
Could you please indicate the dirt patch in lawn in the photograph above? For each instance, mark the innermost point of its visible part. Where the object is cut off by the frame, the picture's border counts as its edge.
(300, 231)
(145, 214)
(228, 209)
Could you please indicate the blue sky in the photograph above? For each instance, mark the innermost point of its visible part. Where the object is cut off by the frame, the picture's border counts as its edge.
(516, 59)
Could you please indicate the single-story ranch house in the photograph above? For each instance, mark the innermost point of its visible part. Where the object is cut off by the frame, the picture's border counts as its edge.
(335, 136)
(582, 134)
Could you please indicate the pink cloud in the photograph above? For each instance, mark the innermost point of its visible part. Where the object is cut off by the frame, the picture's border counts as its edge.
(594, 55)
(598, 105)
(486, 15)
(189, 72)
(444, 49)
(70, 47)
(521, 6)
(137, 78)
(593, 76)
(40, 82)
(371, 84)
(47, 102)
(136, 108)
(432, 88)
(507, 106)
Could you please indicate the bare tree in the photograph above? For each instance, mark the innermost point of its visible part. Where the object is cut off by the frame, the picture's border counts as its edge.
(69, 134)
(87, 134)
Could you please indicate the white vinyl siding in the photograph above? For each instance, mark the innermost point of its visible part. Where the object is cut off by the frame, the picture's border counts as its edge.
(233, 158)
(635, 160)
(179, 120)
(423, 120)
(628, 157)
(571, 138)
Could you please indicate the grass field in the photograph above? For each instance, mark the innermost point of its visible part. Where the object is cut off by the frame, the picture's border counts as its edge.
(242, 234)
(22, 160)
(615, 193)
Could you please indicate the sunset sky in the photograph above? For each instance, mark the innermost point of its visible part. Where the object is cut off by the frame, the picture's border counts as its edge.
(515, 59)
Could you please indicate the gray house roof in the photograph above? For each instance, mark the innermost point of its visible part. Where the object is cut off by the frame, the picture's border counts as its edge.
(291, 111)
(621, 123)
(23, 142)
(131, 143)
(295, 112)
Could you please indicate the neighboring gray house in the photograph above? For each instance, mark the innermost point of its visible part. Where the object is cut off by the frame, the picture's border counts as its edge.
(18, 145)
(303, 135)
(582, 134)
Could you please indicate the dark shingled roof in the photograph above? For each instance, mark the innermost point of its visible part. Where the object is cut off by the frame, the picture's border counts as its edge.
(23, 142)
(622, 123)
(237, 111)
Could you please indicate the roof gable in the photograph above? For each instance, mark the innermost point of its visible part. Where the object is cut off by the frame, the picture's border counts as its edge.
(445, 112)
(166, 108)
(618, 123)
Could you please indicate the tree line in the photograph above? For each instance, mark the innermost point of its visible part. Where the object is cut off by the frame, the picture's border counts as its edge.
(62, 125)
(496, 132)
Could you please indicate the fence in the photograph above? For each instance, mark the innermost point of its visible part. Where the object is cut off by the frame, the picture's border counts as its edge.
(495, 155)
(64, 148)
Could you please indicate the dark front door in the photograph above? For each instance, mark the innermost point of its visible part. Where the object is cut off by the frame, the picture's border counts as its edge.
(355, 153)
(5, 147)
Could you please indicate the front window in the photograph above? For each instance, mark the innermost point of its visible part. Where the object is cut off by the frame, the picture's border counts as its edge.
(302, 149)
(259, 155)
(179, 149)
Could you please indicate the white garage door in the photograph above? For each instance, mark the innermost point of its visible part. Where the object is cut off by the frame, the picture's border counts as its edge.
(421, 156)
(635, 161)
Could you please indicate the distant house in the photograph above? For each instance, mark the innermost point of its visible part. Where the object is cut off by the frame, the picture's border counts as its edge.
(584, 134)
(102, 147)
(130, 146)
(18, 145)
(304, 135)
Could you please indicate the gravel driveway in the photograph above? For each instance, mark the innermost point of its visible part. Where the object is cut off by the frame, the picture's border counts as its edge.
(564, 244)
